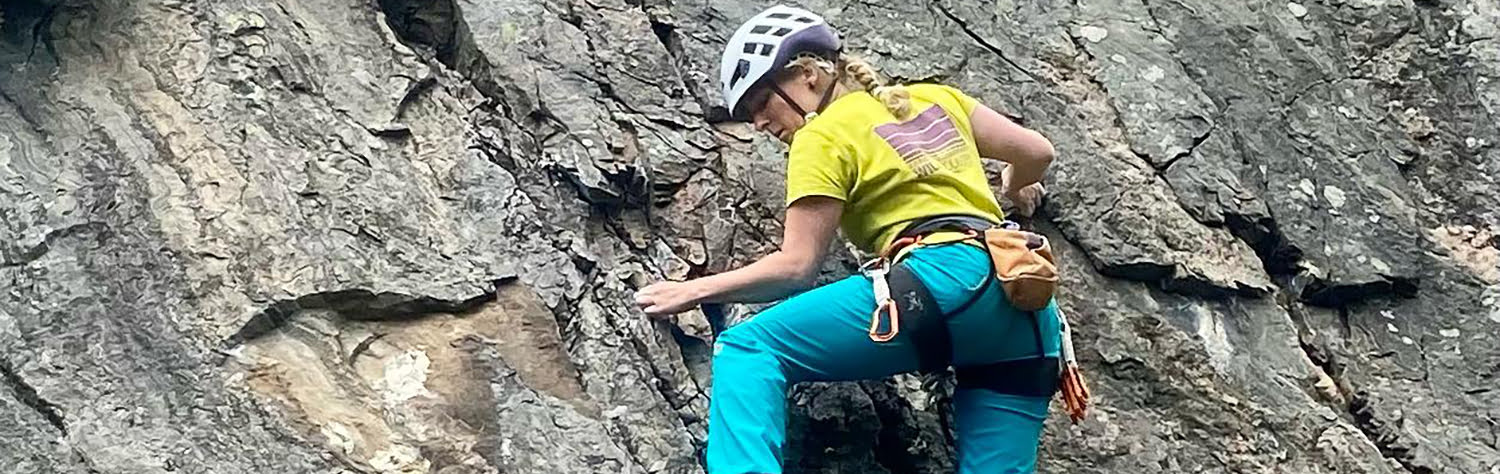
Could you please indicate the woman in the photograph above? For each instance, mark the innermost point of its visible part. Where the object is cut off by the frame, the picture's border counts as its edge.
(873, 160)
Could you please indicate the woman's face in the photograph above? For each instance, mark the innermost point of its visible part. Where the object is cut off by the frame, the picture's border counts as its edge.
(771, 114)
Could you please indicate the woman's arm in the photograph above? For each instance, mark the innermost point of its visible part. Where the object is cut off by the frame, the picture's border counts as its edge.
(811, 224)
(1027, 152)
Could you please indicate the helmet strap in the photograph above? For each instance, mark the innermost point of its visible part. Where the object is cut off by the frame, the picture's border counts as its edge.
(822, 103)
(827, 93)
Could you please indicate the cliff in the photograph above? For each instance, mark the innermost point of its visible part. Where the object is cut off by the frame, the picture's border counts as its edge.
(324, 236)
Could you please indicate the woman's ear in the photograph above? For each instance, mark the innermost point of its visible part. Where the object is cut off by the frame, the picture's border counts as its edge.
(810, 78)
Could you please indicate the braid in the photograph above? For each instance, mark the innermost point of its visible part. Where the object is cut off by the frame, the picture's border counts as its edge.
(895, 98)
(858, 76)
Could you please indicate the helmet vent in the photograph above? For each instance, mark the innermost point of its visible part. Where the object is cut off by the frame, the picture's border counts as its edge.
(740, 72)
(765, 49)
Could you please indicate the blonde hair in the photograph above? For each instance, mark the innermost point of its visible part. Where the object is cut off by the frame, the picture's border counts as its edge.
(858, 76)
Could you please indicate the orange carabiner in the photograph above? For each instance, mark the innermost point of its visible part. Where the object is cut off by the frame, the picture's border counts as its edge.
(889, 306)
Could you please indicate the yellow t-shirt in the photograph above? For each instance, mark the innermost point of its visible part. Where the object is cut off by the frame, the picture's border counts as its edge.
(890, 172)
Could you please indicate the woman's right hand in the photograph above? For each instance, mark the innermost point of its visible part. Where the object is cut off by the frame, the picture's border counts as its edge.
(667, 298)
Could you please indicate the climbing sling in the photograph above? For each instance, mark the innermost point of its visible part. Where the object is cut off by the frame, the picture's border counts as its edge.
(1023, 263)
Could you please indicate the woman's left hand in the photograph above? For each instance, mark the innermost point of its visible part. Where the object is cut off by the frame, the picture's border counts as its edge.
(1027, 199)
(667, 298)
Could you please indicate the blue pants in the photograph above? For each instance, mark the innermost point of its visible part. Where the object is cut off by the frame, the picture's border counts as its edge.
(822, 335)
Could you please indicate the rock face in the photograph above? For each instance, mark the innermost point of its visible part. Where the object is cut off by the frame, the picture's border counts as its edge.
(324, 236)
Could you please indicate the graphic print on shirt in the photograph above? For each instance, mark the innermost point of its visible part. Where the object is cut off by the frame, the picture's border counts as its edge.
(928, 142)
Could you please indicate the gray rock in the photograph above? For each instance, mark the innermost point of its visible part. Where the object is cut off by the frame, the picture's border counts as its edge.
(1125, 215)
(397, 236)
(32, 431)
(1187, 385)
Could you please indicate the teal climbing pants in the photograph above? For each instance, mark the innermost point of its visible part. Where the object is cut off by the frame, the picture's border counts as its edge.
(823, 335)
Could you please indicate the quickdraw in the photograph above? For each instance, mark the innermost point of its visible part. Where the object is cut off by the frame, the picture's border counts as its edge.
(878, 269)
(1075, 391)
(883, 301)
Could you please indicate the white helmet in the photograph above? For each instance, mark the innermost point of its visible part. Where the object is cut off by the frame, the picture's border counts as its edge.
(766, 43)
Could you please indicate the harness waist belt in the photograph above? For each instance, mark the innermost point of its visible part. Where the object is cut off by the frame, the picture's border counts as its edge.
(947, 222)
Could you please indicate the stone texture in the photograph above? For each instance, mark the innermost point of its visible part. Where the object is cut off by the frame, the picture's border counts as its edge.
(326, 236)
(32, 433)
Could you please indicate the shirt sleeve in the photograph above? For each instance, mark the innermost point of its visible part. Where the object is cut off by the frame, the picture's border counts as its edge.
(965, 102)
(816, 166)
(950, 97)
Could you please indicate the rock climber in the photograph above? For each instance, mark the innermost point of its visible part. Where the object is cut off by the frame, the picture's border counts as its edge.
(882, 163)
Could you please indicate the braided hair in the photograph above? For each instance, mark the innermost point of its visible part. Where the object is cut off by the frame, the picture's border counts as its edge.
(858, 75)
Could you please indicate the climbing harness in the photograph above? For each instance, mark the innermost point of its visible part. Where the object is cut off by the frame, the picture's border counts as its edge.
(880, 268)
(912, 310)
(1022, 261)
